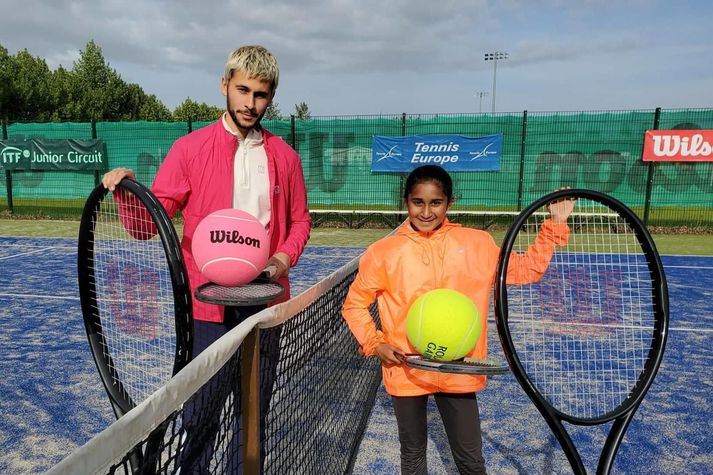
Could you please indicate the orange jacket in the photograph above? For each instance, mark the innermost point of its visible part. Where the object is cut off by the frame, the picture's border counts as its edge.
(398, 269)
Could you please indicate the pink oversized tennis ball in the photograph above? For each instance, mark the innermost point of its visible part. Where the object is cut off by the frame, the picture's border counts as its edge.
(230, 247)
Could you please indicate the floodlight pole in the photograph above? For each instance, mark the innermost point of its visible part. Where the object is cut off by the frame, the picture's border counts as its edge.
(494, 57)
(480, 95)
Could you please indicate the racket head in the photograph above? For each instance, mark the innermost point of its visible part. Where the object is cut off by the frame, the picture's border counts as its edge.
(604, 293)
(465, 366)
(134, 292)
(261, 291)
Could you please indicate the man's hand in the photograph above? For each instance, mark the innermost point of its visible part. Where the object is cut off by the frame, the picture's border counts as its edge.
(278, 265)
(113, 177)
(389, 355)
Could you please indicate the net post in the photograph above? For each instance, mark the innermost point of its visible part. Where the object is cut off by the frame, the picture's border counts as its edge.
(250, 401)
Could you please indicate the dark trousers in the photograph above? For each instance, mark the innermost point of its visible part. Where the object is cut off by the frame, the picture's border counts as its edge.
(461, 420)
(202, 413)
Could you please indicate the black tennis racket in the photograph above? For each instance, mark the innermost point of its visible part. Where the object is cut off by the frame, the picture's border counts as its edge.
(586, 340)
(262, 290)
(462, 366)
(134, 294)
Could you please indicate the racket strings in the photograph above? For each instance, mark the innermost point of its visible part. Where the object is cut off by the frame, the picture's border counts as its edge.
(584, 330)
(134, 296)
(243, 293)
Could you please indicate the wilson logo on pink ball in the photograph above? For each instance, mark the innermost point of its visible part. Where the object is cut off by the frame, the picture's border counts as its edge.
(233, 237)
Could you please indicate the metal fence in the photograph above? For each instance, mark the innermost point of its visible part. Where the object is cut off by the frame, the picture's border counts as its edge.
(541, 151)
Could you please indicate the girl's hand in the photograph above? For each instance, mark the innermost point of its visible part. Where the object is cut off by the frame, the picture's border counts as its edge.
(561, 209)
(389, 355)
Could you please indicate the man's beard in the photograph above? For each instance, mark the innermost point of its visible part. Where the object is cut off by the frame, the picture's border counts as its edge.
(234, 116)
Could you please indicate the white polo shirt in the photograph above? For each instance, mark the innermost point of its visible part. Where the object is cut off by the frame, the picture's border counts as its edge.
(251, 182)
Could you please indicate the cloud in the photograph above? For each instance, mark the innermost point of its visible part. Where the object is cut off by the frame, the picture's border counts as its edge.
(344, 56)
(310, 35)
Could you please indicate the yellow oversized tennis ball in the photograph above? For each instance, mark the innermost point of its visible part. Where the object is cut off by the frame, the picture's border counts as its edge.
(443, 325)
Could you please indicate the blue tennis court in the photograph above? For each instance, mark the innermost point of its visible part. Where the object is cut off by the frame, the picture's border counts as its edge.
(51, 399)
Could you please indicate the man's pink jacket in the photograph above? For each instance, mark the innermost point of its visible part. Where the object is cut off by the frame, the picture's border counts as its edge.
(197, 178)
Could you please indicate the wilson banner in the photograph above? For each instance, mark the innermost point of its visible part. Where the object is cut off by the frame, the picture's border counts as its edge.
(455, 153)
(678, 146)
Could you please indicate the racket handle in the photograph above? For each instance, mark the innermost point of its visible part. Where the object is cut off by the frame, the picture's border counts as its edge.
(270, 271)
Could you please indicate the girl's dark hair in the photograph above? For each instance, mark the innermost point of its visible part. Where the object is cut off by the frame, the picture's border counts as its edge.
(429, 174)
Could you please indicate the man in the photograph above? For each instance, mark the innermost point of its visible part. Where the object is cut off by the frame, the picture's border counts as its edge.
(236, 163)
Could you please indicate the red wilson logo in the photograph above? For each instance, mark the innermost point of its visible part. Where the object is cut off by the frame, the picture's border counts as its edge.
(678, 146)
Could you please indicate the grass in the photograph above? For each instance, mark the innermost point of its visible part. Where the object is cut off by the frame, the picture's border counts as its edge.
(680, 244)
(38, 228)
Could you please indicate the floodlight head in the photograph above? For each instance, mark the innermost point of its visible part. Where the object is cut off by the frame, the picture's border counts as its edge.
(495, 55)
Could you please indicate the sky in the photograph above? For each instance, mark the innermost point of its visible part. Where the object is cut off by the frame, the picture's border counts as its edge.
(366, 57)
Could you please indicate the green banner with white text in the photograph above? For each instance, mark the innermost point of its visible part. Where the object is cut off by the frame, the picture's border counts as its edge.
(49, 154)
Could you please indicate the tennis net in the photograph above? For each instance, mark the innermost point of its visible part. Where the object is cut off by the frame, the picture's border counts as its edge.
(322, 393)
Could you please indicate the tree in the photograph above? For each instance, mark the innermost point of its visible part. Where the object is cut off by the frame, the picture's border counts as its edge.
(191, 110)
(29, 88)
(97, 87)
(60, 95)
(273, 112)
(153, 109)
(7, 67)
(91, 90)
(302, 111)
(140, 106)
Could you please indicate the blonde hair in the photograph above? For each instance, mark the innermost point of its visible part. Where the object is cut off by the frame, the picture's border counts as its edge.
(256, 61)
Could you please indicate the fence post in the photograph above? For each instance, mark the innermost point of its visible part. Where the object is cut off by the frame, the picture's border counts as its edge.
(189, 125)
(650, 175)
(399, 201)
(8, 173)
(293, 131)
(94, 136)
(521, 179)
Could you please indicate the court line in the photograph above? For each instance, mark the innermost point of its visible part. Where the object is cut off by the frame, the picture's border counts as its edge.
(688, 329)
(28, 253)
(491, 320)
(687, 267)
(36, 296)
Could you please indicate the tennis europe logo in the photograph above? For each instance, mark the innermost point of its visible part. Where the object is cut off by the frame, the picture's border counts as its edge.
(678, 146)
(452, 152)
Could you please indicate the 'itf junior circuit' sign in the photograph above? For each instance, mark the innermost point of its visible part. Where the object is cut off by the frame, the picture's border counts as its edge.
(66, 155)
(455, 153)
(678, 146)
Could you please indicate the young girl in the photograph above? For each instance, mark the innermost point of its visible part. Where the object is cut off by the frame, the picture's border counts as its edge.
(429, 252)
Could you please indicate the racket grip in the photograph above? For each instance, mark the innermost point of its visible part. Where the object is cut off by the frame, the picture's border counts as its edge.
(270, 271)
